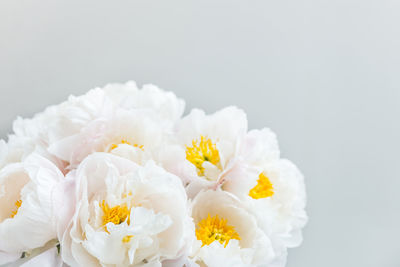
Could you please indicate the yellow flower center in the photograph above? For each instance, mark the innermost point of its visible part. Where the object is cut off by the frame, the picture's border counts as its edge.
(215, 229)
(114, 146)
(18, 204)
(115, 215)
(202, 150)
(263, 188)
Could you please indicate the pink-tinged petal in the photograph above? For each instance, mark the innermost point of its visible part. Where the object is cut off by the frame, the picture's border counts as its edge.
(64, 203)
(260, 146)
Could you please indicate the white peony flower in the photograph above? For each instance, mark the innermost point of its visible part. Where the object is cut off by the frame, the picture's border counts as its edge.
(205, 146)
(119, 118)
(227, 234)
(27, 215)
(209, 147)
(125, 215)
(277, 198)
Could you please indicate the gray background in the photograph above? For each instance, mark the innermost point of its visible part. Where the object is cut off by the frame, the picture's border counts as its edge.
(324, 75)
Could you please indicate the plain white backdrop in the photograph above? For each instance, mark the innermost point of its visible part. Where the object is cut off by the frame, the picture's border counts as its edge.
(323, 74)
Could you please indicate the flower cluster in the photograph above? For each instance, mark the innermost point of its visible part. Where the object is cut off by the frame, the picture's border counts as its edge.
(118, 177)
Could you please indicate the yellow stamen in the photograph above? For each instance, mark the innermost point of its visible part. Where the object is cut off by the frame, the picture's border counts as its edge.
(125, 195)
(115, 215)
(114, 146)
(200, 151)
(215, 229)
(127, 238)
(18, 204)
(263, 188)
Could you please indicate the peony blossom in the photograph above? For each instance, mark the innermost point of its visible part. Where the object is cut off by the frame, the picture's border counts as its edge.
(276, 196)
(27, 215)
(227, 234)
(125, 215)
(208, 147)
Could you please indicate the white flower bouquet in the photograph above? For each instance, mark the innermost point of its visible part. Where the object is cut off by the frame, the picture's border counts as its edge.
(117, 177)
